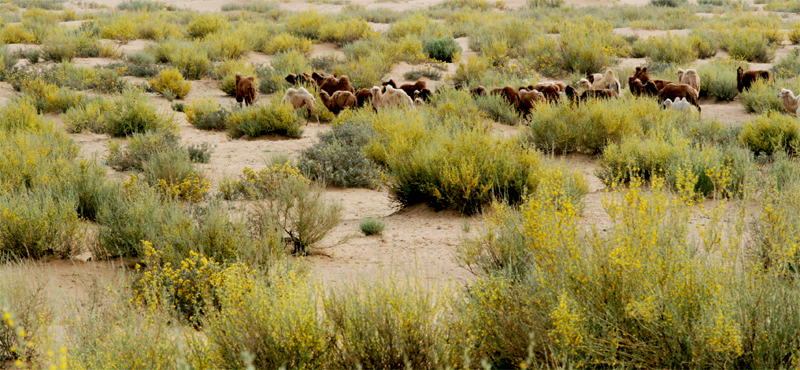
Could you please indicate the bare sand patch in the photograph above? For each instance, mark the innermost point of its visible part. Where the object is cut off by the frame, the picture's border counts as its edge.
(379, 27)
(729, 113)
(129, 47)
(255, 57)
(628, 31)
(92, 62)
(325, 49)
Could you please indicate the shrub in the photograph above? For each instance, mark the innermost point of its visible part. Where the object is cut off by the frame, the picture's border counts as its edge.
(200, 153)
(345, 31)
(91, 189)
(7, 61)
(49, 98)
(338, 158)
(26, 314)
(276, 319)
(385, 325)
(171, 80)
(718, 78)
(748, 44)
(264, 119)
(139, 150)
(173, 172)
(141, 64)
(589, 127)
(229, 45)
(38, 223)
(371, 226)
(301, 212)
(588, 47)
(259, 184)
(89, 116)
(770, 132)
(193, 63)
(205, 24)
(444, 50)
(16, 34)
(285, 42)
(497, 109)
(762, 96)
(226, 72)
(794, 34)
(419, 73)
(200, 107)
(305, 24)
(470, 74)
(140, 5)
(133, 114)
(669, 3)
(121, 28)
(704, 42)
(669, 49)
(788, 66)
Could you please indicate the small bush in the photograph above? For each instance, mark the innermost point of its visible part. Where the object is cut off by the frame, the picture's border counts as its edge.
(26, 313)
(285, 42)
(748, 44)
(38, 223)
(140, 5)
(417, 74)
(718, 78)
(205, 24)
(497, 109)
(305, 24)
(171, 80)
(444, 50)
(669, 49)
(139, 150)
(259, 184)
(770, 132)
(788, 66)
(338, 158)
(134, 114)
(345, 31)
(121, 28)
(371, 226)
(264, 119)
(200, 153)
(301, 212)
(173, 172)
(89, 116)
(762, 96)
(193, 63)
(667, 3)
(704, 43)
(228, 45)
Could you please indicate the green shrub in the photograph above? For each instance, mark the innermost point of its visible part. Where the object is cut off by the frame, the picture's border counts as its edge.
(229, 45)
(261, 184)
(444, 50)
(338, 158)
(38, 223)
(345, 31)
(432, 74)
(718, 78)
(371, 226)
(205, 24)
(748, 44)
(264, 119)
(669, 49)
(589, 127)
(471, 73)
(301, 212)
(704, 42)
(200, 153)
(171, 82)
(305, 24)
(16, 34)
(788, 66)
(133, 113)
(89, 116)
(226, 72)
(385, 325)
(175, 176)
(121, 28)
(91, 189)
(366, 72)
(794, 34)
(417, 25)
(49, 98)
(139, 150)
(26, 312)
(770, 132)
(256, 316)
(140, 5)
(668, 3)
(285, 42)
(497, 109)
(193, 63)
(762, 96)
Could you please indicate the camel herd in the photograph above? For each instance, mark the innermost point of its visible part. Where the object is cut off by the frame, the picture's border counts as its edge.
(338, 94)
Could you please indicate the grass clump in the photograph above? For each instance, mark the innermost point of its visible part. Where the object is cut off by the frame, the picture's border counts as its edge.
(265, 119)
(371, 226)
(770, 132)
(338, 158)
(170, 82)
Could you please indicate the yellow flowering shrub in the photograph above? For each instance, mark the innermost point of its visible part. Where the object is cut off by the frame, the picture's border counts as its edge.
(253, 184)
(170, 82)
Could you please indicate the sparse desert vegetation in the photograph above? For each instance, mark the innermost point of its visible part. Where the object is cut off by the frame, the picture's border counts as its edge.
(385, 184)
